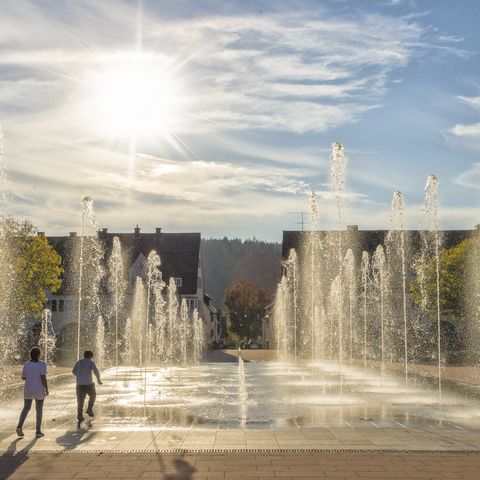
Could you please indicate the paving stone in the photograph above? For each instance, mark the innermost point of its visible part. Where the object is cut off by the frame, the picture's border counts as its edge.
(347, 465)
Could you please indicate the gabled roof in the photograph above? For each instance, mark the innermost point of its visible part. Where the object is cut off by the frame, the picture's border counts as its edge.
(179, 252)
(368, 240)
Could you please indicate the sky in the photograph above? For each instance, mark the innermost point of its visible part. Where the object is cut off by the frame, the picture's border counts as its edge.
(219, 117)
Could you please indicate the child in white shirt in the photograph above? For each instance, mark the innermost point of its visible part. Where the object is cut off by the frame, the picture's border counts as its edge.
(36, 388)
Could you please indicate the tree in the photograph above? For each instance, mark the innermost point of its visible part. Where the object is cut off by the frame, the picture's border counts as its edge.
(228, 261)
(34, 265)
(246, 303)
(453, 276)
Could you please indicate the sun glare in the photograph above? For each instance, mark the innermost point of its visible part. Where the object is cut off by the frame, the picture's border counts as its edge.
(135, 102)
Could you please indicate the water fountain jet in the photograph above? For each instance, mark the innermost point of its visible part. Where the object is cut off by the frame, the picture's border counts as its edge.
(350, 275)
(117, 287)
(89, 273)
(47, 336)
(432, 237)
(100, 342)
(365, 267)
(396, 244)
(379, 277)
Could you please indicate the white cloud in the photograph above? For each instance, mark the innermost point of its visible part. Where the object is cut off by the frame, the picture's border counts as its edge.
(473, 101)
(296, 72)
(466, 131)
(470, 178)
(466, 134)
(276, 72)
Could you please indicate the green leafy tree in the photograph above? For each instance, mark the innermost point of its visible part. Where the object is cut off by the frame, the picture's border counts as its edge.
(35, 267)
(246, 303)
(228, 261)
(453, 276)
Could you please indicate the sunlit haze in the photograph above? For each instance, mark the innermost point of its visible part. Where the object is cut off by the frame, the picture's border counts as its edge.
(134, 98)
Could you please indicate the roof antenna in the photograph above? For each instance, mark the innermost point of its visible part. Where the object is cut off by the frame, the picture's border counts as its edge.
(302, 221)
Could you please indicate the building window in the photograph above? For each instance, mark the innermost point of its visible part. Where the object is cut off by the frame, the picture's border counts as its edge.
(192, 303)
(178, 281)
(61, 305)
(54, 305)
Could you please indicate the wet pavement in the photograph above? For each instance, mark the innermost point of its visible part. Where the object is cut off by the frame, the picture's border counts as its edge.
(256, 396)
(256, 407)
(220, 421)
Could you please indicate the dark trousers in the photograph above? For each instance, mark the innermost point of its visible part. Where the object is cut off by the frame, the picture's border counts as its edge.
(26, 408)
(82, 392)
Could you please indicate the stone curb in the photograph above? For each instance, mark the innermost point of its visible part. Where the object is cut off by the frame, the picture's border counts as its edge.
(246, 451)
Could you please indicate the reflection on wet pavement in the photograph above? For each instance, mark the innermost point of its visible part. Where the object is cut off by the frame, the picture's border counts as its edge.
(263, 396)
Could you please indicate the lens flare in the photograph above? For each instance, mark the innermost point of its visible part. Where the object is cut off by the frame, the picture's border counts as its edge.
(140, 100)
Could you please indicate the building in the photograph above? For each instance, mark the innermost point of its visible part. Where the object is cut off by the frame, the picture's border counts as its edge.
(368, 240)
(181, 259)
(402, 272)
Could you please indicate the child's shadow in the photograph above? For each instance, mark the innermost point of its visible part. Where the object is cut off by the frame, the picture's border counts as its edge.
(72, 439)
(184, 470)
(14, 458)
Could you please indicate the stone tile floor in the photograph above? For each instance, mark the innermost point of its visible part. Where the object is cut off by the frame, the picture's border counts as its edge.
(413, 437)
(244, 466)
(369, 452)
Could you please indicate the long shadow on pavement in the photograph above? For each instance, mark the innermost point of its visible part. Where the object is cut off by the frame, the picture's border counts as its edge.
(184, 470)
(14, 457)
(70, 440)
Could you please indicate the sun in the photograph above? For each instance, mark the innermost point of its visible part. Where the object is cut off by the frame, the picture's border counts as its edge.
(136, 100)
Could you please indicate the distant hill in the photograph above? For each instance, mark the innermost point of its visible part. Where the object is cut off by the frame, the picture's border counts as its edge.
(226, 261)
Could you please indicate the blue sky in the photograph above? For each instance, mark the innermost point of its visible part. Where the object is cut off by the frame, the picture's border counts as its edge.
(247, 98)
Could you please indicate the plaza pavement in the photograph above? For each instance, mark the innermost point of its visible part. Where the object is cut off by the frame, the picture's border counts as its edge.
(371, 438)
(244, 466)
(365, 449)
(369, 452)
(469, 375)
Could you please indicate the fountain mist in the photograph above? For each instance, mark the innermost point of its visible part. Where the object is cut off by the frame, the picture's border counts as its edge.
(365, 267)
(184, 332)
(3, 173)
(89, 275)
(313, 259)
(47, 336)
(337, 181)
(335, 306)
(350, 274)
(117, 288)
(431, 241)
(138, 325)
(282, 330)
(198, 337)
(380, 282)
(128, 352)
(160, 333)
(172, 312)
(10, 329)
(242, 390)
(100, 342)
(153, 264)
(292, 278)
(396, 249)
